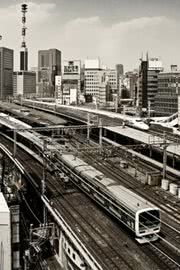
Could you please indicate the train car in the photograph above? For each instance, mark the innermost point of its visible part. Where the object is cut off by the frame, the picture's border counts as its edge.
(136, 213)
(137, 123)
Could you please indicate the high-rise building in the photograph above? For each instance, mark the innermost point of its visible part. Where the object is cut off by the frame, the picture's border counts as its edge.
(120, 69)
(6, 72)
(92, 77)
(131, 78)
(71, 84)
(49, 65)
(24, 83)
(148, 82)
(35, 69)
(112, 78)
(99, 82)
(166, 100)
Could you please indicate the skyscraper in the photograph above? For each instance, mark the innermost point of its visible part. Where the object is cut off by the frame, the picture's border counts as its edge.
(166, 100)
(49, 65)
(120, 69)
(148, 82)
(6, 72)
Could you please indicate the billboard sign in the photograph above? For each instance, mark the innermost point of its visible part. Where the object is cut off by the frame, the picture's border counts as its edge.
(155, 64)
(72, 67)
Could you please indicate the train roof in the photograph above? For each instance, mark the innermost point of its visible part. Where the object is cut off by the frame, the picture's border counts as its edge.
(125, 196)
(129, 199)
(87, 170)
(75, 161)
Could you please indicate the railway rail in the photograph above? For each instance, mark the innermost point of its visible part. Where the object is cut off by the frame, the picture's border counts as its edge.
(98, 240)
(137, 187)
(167, 229)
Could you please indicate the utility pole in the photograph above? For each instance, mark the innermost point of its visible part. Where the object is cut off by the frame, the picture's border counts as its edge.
(88, 127)
(100, 132)
(15, 142)
(149, 109)
(2, 173)
(164, 155)
(43, 181)
(124, 116)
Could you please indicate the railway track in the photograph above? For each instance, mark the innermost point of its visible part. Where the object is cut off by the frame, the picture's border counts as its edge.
(101, 240)
(173, 235)
(172, 239)
(116, 245)
(105, 166)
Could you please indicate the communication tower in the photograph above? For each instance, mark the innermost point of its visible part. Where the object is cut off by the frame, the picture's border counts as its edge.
(24, 50)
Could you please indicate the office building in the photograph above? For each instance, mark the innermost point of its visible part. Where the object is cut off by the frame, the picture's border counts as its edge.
(58, 89)
(119, 69)
(24, 83)
(71, 83)
(148, 83)
(166, 100)
(112, 78)
(49, 66)
(35, 69)
(105, 94)
(94, 83)
(92, 77)
(130, 81)
(6, 72)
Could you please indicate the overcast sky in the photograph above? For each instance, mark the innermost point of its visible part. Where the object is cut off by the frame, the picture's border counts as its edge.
(117, 31)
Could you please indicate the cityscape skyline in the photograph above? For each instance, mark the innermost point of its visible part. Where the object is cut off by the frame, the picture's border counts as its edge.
(115, 31)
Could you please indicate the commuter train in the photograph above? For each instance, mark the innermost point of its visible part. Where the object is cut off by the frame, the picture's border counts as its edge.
(136, 213)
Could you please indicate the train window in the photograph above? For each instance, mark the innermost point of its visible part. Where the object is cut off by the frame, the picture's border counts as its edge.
(74, 256)
(149, 218)
(69, 250)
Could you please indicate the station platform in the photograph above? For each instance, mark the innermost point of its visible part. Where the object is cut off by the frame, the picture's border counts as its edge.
(144, 137)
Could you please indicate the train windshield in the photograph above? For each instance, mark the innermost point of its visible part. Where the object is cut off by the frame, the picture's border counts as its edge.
(149, 218)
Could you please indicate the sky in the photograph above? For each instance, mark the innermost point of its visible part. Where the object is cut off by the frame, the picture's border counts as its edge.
(117, 31)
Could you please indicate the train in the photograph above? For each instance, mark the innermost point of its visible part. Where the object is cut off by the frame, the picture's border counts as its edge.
(137, 123)
(137, 214)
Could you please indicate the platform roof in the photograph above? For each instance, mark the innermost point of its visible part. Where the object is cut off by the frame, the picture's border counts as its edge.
(142, 137)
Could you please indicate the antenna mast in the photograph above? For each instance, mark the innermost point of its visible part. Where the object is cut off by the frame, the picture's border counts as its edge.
(24, 50)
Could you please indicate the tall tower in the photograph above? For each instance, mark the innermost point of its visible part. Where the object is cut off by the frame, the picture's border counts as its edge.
(24, 50)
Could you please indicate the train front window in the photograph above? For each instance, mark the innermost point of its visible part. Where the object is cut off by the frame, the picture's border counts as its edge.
(149, 218)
